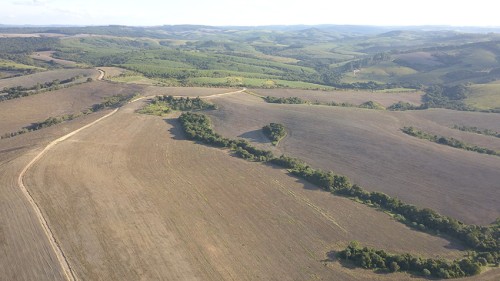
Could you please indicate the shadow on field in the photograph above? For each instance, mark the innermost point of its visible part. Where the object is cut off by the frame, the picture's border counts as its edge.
(175, 130)
(255, 136)
(178, 134)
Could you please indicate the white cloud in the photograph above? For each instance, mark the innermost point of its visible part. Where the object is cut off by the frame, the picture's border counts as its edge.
(244, 12)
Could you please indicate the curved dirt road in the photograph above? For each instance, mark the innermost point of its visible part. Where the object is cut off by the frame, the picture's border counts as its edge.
(43, 222)
(101, 74)
(151, 206)
(68, 272)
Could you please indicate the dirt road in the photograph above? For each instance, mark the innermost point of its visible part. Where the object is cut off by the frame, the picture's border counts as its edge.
(66, 268)
(43, 222)
(101, 74)
(152, 206)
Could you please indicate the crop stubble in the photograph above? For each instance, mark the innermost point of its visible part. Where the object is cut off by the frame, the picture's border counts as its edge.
(152, 205)
(368, 147)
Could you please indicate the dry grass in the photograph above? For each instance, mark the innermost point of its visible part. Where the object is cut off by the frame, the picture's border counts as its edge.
(368, 147)
(354, 97)
(46, 76)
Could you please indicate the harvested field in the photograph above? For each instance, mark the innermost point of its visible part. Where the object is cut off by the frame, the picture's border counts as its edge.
(368, 147)
(26, 253)
(112, 71)
(354, 97)
(18, 113)
(151, 205)
(47, 57)
(441, 121)
(47, 76)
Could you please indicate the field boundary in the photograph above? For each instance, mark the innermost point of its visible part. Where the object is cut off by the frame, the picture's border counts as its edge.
(63, 261)
(68, 271)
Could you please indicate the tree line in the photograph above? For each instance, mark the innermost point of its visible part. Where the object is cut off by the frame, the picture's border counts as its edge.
(486, 132)
(448, 141)
(483, 239)
(109, 102)
(399, 106)
(19, 91)
(370, 258)
(162, 105)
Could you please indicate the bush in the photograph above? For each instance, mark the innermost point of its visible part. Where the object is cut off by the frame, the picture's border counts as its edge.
(370, 258)
(275, 132)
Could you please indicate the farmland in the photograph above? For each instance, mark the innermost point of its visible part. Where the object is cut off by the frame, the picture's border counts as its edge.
(299, 219)
(352, 97)
(101, 190)
(367, 145)
(19, 113)
(46, 76)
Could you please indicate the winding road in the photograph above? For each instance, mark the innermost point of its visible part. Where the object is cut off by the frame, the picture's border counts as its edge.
(68, 272)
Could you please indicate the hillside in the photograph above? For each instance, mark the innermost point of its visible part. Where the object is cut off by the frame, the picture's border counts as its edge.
(381, 137)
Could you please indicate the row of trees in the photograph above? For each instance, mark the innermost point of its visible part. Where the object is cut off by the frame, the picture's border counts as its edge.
(477, 130)
(484, 239)
(283, 100)
(109, 102)
(162, 105)
(186, 103)
(378, 259)
(403, 106)
(448, 141)
(19, 91)
(198, 127)
(399, 106)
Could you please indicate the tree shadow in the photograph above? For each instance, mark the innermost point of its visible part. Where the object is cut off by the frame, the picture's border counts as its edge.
(255, 136)
(175, 130)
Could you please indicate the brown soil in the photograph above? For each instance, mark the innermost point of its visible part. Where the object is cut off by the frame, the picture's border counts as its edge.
(112, 71)
(354, 97)
(130, 199)
(26, 253)
(46, 76)
(47, 57)
(368, 147)
(151, 205)
(18, 113)
(183, 91)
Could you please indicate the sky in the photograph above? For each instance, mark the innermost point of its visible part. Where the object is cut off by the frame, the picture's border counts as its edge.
(250, 12)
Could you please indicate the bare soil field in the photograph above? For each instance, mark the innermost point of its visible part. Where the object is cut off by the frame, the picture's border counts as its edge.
(354, 97)
(47, 57)
(441, 122)
(26, 253)
(368, 147)
(47, 76)
(112, 71)
(130, 199)
(18, 113)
